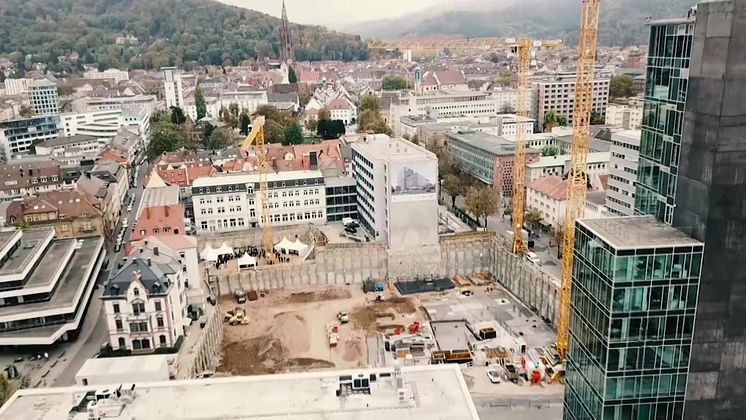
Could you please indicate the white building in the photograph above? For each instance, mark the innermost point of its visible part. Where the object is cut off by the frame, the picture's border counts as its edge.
(17, 86)
(397, 191)
(173, 90)
(117, 370)
(426, 392)
(506, 98)
(559, 165)
(626, 115)
(104, 124)
(145, 305)
(116, 74)
(559, 95)
(17, 136)
(47, 284)
(342, 109)
(625, 153)
(548, 196)
(442, 105)
(61, 146)
(508, 125)
(232, 202)
(247, 101)
(43, 97)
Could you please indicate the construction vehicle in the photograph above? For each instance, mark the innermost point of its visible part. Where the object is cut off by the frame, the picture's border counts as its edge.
(236, 317)
(513, 373)
(332, 333)
(240, 295)
(257, 136)
(577, 177)
(343, 317)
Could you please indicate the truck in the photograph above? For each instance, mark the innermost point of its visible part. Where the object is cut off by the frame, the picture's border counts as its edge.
(240, 295)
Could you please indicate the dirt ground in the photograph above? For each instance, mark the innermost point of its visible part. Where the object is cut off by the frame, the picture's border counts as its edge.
(287, 330)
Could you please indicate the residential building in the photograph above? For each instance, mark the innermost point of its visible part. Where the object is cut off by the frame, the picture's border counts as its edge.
(508, 125)
(669, 56)
(396, 191)
(634, 295)
(172, 87)
(18, 135)
(558, 94)
(17, 86)
(559, 165)
(159, 221)
(71, 213)
(548, 196)
(108, 183)
(442, 79)
(708, 200)
(114, 74)
(343, 109)
(45, 285)
(230, 202)
(626, 114)
(25, 179)
(247, 100)
(43, 97)
(441, 393)
(341, 198)
(487, 158)
(445, 105)
(625, 153)
(77, 144)
(145, 305)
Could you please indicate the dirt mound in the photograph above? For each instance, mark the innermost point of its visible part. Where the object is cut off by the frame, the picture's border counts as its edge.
(352, 350)
(309, 363)
(287, 322)
(367, 316)
(317, 296)
(256, 356)
(402, 305)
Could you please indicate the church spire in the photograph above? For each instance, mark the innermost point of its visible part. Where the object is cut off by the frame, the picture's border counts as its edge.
(287, 53)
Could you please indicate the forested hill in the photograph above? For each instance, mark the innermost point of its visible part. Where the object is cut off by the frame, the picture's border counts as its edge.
(161, 32)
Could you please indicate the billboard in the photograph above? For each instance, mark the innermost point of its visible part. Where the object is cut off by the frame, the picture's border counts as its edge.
(413, 207)
(413, 178)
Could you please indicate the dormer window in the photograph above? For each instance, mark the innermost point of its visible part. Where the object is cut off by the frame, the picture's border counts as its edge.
(136, 292)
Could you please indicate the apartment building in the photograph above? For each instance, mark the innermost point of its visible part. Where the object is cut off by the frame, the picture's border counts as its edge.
(78, 144)
(558, 94)
(145, 305)
(46, 285)
(23, 179)
(17, 86)
(230, 202)
(71, 213)
(172, 87)
(626, 114)
(396, 191)
(18, 135)
(625, 154)
(43, 96)
(559, 165)
(445, 105)
(114, 74)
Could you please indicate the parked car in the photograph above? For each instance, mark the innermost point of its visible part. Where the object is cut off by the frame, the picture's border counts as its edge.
(351, 230)
(125, 222)
(129, 207)
(533, 258)
(494, 376)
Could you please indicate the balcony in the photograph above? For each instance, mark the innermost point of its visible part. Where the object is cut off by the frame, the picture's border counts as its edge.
(139, 317)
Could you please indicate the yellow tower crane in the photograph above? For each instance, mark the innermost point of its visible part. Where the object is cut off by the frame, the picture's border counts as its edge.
(577, 178)
(257, 136)
(523, 49)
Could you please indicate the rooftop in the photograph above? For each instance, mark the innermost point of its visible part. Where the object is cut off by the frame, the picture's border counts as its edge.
(487, 142)
(433, 392)
(244, 178)
(637, 232)
(381, 146)
(65, 141)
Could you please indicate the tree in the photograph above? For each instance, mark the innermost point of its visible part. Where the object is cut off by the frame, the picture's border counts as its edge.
(325, 114)
(447, 165)
(243, 122)
(369, 120)
(303, 98)
(481, 202)
(269, 112)
(394, 82)
(177, 115)
(597, 119)
(504, 79)
(273, 132)
(507, 109)
(533, 218)
(454, 186)
(622, 86)
(216, 141)
(329, 130)
(199, 103)
(164, 137)
(6, 390)
(293, 134)
(233, 108)
(26, 111)
(292, 78)
(207, 130)
(2, 76)
(552, 119)
(63, 90)
(312, 124)
(550, 151)
(370, 103)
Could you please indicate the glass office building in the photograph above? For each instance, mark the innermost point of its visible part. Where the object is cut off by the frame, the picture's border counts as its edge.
(666, 86)
(634, 295)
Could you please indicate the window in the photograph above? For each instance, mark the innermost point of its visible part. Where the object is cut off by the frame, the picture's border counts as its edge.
(159, 322)
(158, 305)
(116, 308)
(162, 340)
(155, 230)
(138, 308)
(203, 225)
(121, 342)
(118, 324)
(136, 292)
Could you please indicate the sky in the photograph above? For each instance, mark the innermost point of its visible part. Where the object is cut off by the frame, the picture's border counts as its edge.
(337, 13)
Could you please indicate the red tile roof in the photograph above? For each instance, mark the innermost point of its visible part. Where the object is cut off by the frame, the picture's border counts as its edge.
(552, 186)
(159, 217)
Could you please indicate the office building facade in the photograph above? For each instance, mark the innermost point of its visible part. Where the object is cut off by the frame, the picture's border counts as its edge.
(663, 116)
(558, 95)
(43, 96)
(173, 91)
(634, 297)
(463, 106)
(17, 136)
(625, 153)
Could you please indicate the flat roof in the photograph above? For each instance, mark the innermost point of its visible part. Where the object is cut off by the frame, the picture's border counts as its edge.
(247, 178)
(6, 236)
(32, 242)
(118, 365)
(493, 144)
(636, 232)
(548, 161)
(50, 262)
(383, 147)
(672, 21)
(431, 392)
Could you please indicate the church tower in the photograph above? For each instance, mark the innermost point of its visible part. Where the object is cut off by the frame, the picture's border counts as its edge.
(287, 54)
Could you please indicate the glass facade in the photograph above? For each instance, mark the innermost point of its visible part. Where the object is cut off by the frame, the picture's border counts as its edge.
(631, 323)
(663, 117)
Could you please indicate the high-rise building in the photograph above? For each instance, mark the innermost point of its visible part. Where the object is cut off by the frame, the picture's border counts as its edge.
(635, 284)
(669, 57)
(710, 199)
(558, 95)
(625, 154)
(173, 91)
(44, 97)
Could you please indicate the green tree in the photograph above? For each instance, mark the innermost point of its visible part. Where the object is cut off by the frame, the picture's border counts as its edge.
(312, 124)
(329, 130)
(325, 114)
(303, 98)
(26, 111)
(177, 115)
(293, 134)
(481, 202)
(370, 121)
(199, 102)
(552, 119)
(622, 86)
(394, 82)
(164, 137)
(455, 186)
(292, 78)
(533, 218)
(2, 76)
(507, 109)
(504, 79)
(216, 141)
(244, 122)
(550, 150)
(233, 108)
(273, 132)
(269, 112)
(447, 165)
(597, 119)
(370, 103)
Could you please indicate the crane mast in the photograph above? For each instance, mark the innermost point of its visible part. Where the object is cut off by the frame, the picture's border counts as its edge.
(577, 178)
(519, 163)
(257, 136)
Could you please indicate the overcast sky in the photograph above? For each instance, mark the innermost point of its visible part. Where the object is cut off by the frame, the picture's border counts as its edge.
(337, 13)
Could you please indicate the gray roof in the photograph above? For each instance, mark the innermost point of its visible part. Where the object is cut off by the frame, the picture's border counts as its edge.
(64, 141)
(282, 97)
(152, 276)
(638, 232)
(496, 145)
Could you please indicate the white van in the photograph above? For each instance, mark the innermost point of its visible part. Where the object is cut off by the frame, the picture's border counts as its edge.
(533, 258)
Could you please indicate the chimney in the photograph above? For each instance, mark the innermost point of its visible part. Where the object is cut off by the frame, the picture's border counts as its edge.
(166, 211)
(155, 250)
(147, 212)
(313, 161)
(149, 262)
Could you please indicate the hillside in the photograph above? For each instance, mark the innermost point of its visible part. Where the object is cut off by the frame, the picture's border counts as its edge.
(622, 21)
(162, 32)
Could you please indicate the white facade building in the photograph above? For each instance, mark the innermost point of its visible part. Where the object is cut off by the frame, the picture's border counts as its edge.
(443, 106)
(559, 165)
(397, 191)
(559, 95)
(625, 153)
(116, 74)
(627, 116)
(232, 202)
(173, 90)
(44, 98)
(145, 305)
(104, 124)
(17, 86)
(247, 101)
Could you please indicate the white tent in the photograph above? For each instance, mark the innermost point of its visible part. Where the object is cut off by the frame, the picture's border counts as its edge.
(299, 246)
(209, 253)
(284, 245)
(247, 261)
(224, 249)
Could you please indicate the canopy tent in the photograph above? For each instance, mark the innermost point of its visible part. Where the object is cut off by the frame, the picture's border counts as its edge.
(287, 246)
(283, 245)
(224, 249)
(209, 253)
(247, 261)
(299, 246)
